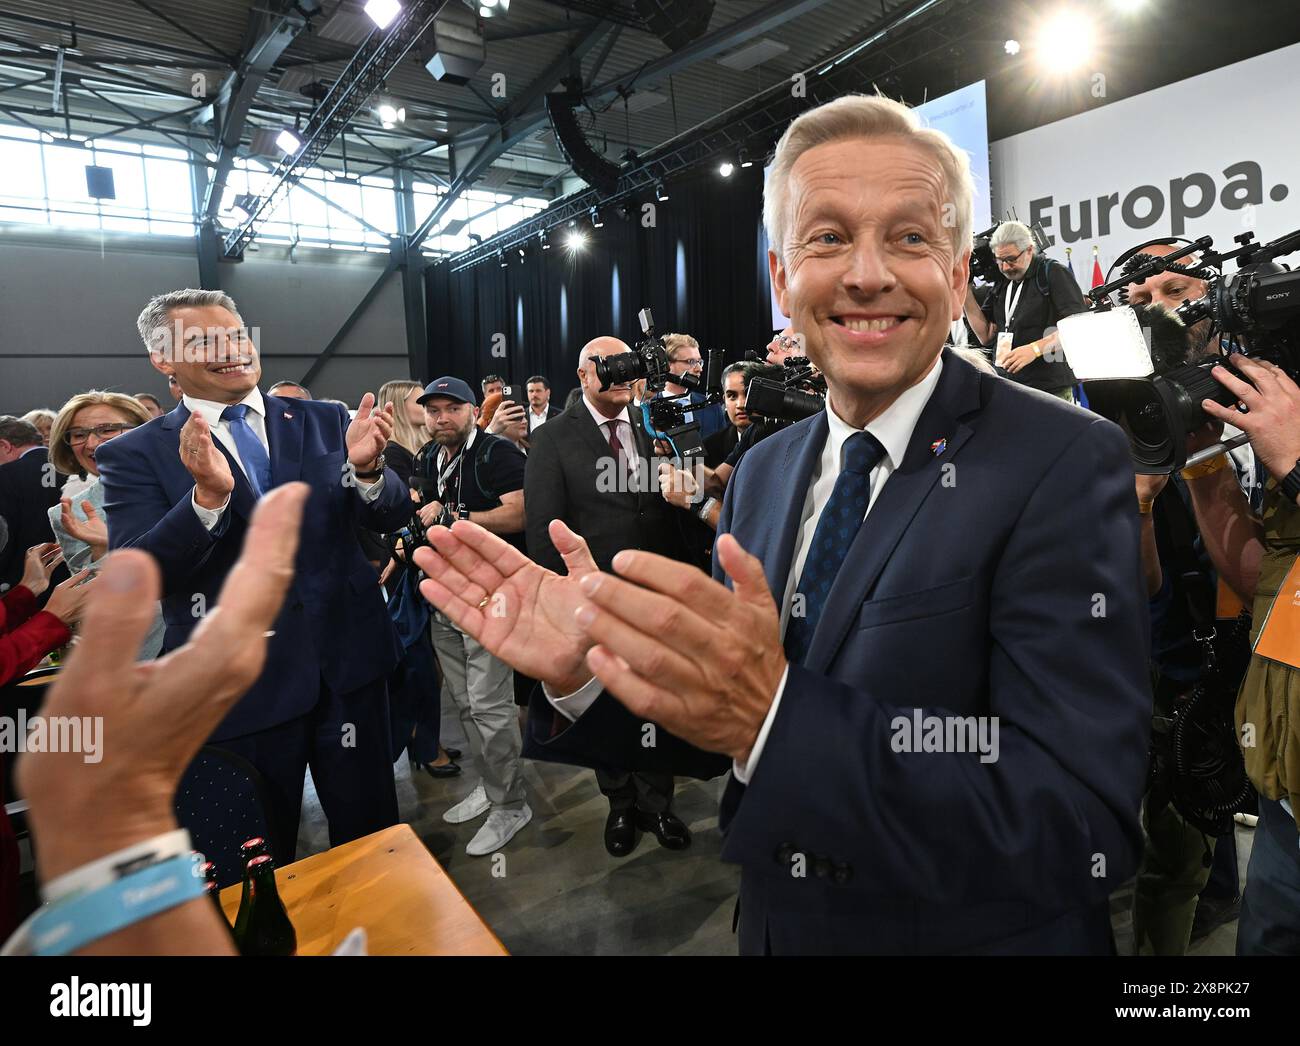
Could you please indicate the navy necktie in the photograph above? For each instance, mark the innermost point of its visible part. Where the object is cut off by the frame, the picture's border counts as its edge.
(836, 529)
(257, 465)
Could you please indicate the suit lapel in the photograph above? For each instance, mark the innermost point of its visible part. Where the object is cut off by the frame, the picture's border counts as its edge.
(956, 394)
(595, 438)
(284, 435)
(800, 459)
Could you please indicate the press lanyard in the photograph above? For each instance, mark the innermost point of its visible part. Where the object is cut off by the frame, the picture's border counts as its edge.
(452, 466)
(1013, 300)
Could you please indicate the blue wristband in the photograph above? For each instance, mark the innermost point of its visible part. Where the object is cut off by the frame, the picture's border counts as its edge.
(62, 928)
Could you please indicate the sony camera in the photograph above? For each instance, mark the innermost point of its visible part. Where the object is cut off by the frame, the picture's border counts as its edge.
(1254, 311)
(664, 416)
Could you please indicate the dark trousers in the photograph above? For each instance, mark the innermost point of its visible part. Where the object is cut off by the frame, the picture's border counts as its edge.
(415, 700)
(1270, 904)
(345, 740)
(651, 793)
(1224, 883)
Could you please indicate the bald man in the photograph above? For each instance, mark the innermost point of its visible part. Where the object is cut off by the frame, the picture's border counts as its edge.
(590, 468)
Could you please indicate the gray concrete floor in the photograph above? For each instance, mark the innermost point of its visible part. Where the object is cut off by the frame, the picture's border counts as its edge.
(562, 894)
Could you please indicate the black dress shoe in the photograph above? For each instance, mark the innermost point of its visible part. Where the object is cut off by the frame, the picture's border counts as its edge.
(446, 770)
(452, 753)
(620, 833)
(667, 828)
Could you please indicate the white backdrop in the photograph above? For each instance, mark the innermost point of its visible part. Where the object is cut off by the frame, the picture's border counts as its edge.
(1213, 155)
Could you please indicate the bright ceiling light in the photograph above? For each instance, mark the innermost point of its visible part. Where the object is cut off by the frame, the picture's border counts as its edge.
(1065, 42)
(577, 240)
(288, 142)
(1011, 47)
(382, 12)
(725, 168)
(390, 114)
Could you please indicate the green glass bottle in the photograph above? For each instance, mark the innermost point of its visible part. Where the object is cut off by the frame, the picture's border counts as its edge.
(262, 926)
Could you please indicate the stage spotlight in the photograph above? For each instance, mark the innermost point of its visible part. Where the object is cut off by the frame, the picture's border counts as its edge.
(1012, 47)
(725, 168)
(596, 221)
(288, 142)
(661, 193)
(1065, 42)
(523, 253)
(541, 238)
(743, 156)
(389, 113)
(382, 12)
(577, 240)
(501, 258)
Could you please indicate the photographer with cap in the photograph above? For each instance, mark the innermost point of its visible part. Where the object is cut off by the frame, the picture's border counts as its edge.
(466, 473)
(1038, 294)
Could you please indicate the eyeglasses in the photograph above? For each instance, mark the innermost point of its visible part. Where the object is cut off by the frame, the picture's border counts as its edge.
(76, 437)
(695, 364)
(1010, 259)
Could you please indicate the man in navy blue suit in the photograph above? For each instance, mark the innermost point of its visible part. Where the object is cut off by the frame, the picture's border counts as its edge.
(183, 488)
(926, 669)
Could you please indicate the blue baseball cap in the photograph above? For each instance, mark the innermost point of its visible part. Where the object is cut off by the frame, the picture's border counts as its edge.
(452, 388)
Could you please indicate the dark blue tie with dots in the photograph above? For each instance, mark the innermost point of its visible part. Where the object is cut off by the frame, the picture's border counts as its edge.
(836, 529)
(257, 464)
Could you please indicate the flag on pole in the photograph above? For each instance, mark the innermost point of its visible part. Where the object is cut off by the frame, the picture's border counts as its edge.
(1069, 263)
(1097, 277)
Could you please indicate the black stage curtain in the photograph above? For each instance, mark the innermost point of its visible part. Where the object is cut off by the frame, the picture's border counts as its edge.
(701, 267)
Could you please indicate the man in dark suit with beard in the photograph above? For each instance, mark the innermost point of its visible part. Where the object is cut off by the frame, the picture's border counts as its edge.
(590, 467)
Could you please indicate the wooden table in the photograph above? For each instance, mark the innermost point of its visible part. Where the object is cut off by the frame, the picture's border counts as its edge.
(387, 883)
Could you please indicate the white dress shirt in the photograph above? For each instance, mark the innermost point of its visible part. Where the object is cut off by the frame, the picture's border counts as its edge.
(256, 419)
(622, 422)
(536, 421)
(893, 428)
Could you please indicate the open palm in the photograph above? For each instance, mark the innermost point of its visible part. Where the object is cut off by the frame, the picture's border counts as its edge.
(519, 611)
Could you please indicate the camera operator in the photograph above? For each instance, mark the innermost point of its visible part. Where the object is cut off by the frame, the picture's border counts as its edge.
(678, 486)
(1038, 294)
(477, 476)
(1181, 584)
(1270, 694)
(684, 358)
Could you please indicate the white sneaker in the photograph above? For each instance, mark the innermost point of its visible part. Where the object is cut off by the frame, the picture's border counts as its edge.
(472, 806)
(497, 830)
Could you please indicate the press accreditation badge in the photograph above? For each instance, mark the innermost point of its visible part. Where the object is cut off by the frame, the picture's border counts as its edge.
(1005, 338)
(1279, 639)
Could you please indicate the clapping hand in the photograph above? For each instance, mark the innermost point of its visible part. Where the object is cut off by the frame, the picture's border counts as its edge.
(519, 611)
(369, 432)
(213, 480)
(38, 565)
(92, 530)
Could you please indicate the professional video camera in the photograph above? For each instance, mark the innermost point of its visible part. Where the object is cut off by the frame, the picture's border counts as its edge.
(983, 262)
(785, 392)
(1255, 310)
(664, 416)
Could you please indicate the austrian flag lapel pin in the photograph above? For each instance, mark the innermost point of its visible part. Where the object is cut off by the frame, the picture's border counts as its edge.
(939, 446)
(288, 416)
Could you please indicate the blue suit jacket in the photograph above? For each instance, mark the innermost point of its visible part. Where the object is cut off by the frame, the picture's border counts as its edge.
(334, 624)
(999, 577)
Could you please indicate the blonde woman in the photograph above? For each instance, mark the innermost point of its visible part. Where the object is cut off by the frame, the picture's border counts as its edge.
(414, 688)
(42, 419)
(409, 433)
(84, 424)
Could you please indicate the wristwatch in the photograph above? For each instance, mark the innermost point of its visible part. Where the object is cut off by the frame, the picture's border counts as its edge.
(1290, 485)
(374, 473)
